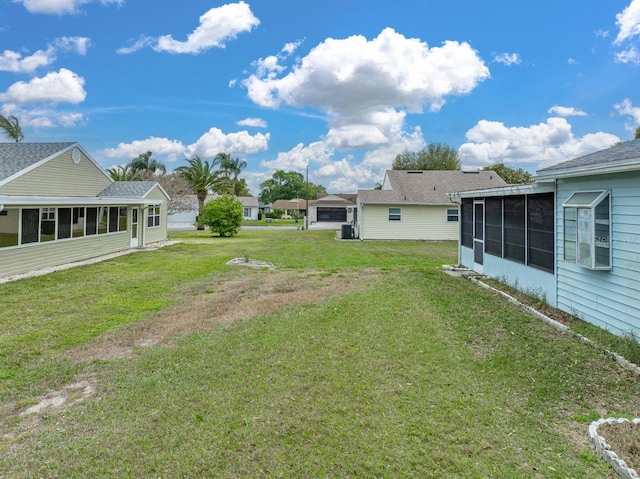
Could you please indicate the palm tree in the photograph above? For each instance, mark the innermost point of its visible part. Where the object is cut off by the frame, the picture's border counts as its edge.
(121, 173)
(231, 166)
(145, 164)
(202, 178)
(11, 127)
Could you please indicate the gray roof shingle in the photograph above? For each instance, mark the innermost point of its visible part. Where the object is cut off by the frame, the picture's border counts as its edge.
(127, 189)
(622, 152)
(429, 186)
(15, 157)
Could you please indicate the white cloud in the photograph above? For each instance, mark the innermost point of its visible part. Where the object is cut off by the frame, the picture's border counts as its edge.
(60, 7)
(44, 117)
(300, 156)
(217, 26)
(77, 45)
(540, 145)
(366, 87)
(630, 55)
(236, 144)
(572, 61)
(12, 61)
(629, 22)
(565, 111)
(602, 33)
(507, 58)
(254, 122)
(63, 86)
(625, 108)
(172, 149)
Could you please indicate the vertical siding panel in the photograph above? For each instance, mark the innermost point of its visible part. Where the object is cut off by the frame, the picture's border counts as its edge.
(609, 299)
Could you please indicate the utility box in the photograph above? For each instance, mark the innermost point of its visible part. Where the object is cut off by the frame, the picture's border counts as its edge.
(347, 231)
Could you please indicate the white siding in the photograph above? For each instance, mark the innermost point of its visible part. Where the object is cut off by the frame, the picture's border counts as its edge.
(609, 299)
(60, 177)
(419, 222)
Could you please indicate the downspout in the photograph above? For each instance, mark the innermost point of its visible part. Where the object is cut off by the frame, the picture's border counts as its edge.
(555, 239)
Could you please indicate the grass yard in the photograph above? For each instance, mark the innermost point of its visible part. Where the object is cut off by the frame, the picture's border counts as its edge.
(349, 359)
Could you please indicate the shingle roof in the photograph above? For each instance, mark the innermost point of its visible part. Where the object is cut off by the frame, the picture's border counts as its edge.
(15, 157)
(622, 152)
(429, 186)
(127, 189)
(337, 199)
(248, 201)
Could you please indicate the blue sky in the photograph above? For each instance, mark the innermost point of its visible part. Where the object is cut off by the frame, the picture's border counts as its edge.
(340, 85)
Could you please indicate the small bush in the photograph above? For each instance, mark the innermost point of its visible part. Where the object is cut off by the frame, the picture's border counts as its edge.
(223, 215)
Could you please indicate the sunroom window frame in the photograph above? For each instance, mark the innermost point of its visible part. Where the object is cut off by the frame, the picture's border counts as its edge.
(598, 196)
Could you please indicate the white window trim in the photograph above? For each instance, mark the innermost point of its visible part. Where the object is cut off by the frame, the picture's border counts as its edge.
(399, 214)
(591, 206)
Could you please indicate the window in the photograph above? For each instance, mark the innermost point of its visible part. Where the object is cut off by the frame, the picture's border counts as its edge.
(395, 214)
(587, 229)
(493, 226)
(77, 223)
(103, 220)
(92, 221)
(154, 216)
(9, 220)
(466, 208)
(122, 218)
(64, 223)
(246, 212)
(113, 219)
(514, 228)
(540, 243)
(30, 218)
(452, 214)
(47, 224)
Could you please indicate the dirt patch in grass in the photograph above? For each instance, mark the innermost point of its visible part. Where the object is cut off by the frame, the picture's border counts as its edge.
(243, 294)
(624, 439)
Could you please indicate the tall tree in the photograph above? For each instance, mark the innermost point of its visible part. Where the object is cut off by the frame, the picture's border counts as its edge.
(10, 126)
(510, 175)
(436, 156)
(241, 188)
(144, 163)
(202, 178)
(232, 167)
(637, 133)
(285, 185)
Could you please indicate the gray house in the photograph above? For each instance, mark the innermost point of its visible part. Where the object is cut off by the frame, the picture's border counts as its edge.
(57, 205)
(572, 237)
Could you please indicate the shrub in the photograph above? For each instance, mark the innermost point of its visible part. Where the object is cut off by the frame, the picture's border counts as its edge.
(223, 215)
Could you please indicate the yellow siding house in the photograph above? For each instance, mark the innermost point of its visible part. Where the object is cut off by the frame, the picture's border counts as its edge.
(57, 206)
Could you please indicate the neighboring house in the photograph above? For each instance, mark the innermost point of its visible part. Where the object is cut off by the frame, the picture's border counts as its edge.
(249, 209)
(413, 205)
(296, 204)
(250, 206)
(57, 206)
(572, 238)
(337, 208)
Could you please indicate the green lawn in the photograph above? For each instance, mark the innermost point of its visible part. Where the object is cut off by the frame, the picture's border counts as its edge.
(360, 359)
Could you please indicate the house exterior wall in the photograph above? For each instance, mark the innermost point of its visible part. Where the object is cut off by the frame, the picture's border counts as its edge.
(36, 256)
(533, 281)
(253, 213)
(60, 177)
(419, 222)
(609, 299)
(156, 233)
